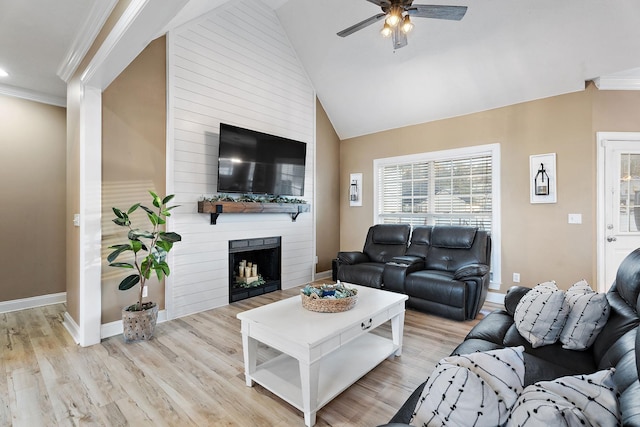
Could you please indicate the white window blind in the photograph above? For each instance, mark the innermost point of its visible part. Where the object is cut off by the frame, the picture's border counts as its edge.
(453, 191)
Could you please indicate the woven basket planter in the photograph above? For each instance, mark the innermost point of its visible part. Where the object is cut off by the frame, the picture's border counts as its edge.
(139, 325)
(328, 305)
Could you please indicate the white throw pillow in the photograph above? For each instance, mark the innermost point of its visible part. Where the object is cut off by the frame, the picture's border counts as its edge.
(580, 400)
(589, 312)
(541, 314)
(474, 389)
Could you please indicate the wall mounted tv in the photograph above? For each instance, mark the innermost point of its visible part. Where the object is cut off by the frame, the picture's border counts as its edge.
(253, 162)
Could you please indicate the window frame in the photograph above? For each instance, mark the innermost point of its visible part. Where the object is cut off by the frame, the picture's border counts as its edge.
(492, 150)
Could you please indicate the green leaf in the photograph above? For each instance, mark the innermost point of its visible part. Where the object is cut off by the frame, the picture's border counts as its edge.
(153, 218)
(129, 282)
(161, 221)
(121, 264)
(170, 236)
(136, 245)
(118, 250)
(137, 234)
(146, 267)
(133, 208)
(121, 221)
(118, 212)
(165, 245)
(168, 199)
(147, 210)
(154, 195)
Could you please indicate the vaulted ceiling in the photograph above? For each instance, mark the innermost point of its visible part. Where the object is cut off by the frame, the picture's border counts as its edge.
(501, 53)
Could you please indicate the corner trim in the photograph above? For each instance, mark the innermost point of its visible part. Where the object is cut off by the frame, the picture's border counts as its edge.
(85, 37)
(495, 297)
(322, 275)
(115, 328)
(32, 95)
(617, 83)
(32, 302)
(71, 326)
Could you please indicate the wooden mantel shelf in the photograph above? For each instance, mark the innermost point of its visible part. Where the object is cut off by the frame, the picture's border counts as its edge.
(217, 208)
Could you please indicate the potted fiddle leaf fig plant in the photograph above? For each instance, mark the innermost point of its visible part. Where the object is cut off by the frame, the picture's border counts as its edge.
(149, 249)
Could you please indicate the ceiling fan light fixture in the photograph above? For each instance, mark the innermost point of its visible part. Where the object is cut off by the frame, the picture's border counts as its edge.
(407, 25)
(386, 30)
(395, 16)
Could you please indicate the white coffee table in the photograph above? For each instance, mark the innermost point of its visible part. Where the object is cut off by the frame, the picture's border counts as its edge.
(322, 353)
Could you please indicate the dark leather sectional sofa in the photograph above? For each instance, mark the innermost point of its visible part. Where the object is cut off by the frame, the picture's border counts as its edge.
(617, 345)
(443, 269)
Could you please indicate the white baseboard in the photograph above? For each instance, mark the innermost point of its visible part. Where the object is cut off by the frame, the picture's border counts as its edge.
(72, 327)
(33, 302)
(115, 328)
(495, 297)
(322, 275)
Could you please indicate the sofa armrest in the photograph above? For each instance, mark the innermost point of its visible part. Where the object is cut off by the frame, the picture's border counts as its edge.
(471, 270)
(350, 258)
(513, 297)
(408, 260)
(396, 271)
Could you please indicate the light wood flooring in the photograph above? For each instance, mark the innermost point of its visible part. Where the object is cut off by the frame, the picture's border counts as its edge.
(190, 374)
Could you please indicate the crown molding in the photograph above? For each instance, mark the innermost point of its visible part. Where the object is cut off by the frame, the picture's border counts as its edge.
(617, 83)
(32, 95)
(85, 37)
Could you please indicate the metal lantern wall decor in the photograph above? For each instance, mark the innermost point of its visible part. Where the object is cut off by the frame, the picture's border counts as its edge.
(355, 189)
(541, 182)
(543, 179)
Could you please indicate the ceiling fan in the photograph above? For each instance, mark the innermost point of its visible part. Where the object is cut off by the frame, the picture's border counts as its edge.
(398, 13)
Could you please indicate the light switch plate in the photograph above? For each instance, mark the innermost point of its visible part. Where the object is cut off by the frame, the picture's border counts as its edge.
(575, 218)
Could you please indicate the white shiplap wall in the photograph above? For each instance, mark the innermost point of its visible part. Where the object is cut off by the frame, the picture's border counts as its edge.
(234, 65)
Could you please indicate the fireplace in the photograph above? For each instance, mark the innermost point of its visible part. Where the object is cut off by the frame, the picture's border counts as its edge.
(254, 267)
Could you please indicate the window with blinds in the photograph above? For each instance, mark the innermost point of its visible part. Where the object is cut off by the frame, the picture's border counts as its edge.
(452, 187)
(454, 192)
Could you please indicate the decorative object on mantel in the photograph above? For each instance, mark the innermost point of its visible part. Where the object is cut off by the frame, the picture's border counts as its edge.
(150, 250)
(223, 203)
(543, 178)
(328, 298)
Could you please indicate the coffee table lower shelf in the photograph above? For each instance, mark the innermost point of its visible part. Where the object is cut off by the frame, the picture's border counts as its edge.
(338, 370)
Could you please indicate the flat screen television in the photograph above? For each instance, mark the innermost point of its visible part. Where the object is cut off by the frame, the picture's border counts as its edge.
(253, 162)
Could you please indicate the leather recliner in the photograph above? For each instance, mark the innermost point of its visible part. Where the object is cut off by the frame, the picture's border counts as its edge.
(445, 271)
(383, 243)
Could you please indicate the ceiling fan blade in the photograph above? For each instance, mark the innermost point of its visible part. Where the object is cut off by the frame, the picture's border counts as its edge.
(452, 13)
(380, 3)
(360, 25)
(399, 38)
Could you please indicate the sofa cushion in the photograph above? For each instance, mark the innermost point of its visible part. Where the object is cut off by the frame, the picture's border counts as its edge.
(627, 282)
(581, 400)
(541, 314)
(588, 313)
(474, 389)
(453, 237)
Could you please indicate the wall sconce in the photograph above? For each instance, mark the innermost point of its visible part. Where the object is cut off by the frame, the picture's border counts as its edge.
(543, 178)
(355, 189)
(541, 182)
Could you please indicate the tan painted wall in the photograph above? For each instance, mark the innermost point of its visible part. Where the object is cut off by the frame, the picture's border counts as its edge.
(133, 162)
(537, 240)
(33, 191)
(327, 190)
(73, 166)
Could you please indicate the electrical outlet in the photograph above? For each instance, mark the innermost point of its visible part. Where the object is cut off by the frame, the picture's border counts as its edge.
(145, 292)
(516, 277)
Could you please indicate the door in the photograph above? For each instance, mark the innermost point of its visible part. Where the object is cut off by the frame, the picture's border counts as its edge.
(619, 233)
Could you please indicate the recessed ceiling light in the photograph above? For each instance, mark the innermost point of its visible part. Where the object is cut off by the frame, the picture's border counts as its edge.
(3, 73)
